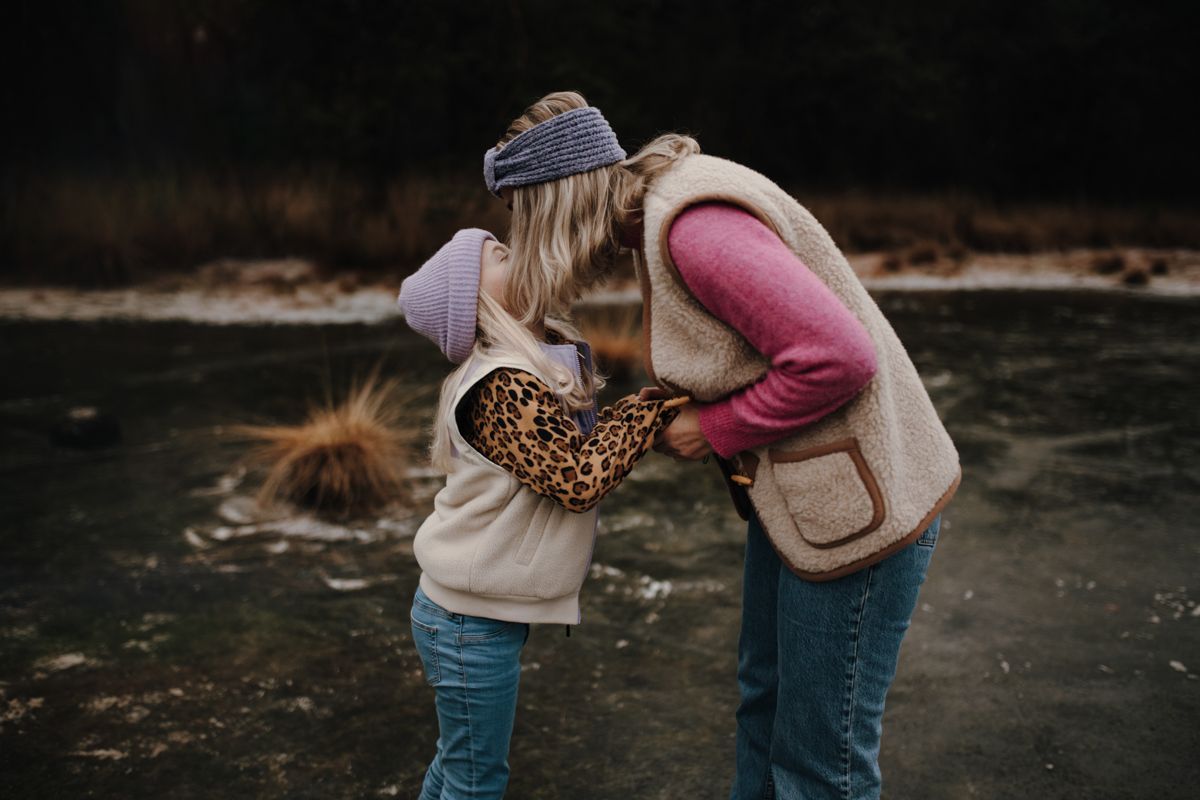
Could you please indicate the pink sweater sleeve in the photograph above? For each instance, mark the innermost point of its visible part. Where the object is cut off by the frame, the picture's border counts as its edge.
(820, 354)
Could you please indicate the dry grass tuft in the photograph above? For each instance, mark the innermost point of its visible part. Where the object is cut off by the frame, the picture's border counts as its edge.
(614, 333)
(344, 458)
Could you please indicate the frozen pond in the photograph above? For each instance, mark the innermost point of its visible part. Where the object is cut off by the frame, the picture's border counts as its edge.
(156, 643)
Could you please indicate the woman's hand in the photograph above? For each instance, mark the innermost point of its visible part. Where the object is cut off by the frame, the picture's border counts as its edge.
(683, 439)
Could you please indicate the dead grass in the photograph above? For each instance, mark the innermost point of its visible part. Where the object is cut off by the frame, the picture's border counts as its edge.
(104, 230)
(869, 222)
(614, 333)
(344, 458)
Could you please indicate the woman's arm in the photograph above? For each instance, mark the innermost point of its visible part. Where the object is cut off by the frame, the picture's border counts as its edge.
(515, 420)
(820, 354)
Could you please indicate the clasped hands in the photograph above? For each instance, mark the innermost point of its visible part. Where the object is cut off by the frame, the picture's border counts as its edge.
(682, 440)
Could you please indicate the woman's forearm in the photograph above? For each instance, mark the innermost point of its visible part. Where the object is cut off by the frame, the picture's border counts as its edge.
(744, 275)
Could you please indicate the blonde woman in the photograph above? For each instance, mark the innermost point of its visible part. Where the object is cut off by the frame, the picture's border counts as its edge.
(527, 460)
(830, 446)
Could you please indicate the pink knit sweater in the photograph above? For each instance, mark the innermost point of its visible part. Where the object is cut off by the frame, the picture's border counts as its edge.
(821, 356)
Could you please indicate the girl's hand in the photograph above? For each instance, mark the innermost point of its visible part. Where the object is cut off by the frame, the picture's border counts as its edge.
(683, 439)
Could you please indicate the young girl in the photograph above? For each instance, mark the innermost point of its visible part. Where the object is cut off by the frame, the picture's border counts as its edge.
(527, 459)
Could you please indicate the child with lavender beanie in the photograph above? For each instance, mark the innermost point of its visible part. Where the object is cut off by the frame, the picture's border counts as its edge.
(510, 538)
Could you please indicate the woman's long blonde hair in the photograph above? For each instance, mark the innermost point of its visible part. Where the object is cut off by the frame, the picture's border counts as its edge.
(566, 233)
(564, 239)
(499, 334)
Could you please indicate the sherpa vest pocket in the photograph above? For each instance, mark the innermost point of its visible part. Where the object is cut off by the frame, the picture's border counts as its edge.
(533, 534)
(830, 490)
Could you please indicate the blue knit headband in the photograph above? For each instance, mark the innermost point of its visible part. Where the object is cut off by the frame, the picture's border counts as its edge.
(566, 144)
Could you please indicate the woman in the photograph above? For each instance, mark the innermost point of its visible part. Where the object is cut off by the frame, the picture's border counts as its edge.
(830, 445)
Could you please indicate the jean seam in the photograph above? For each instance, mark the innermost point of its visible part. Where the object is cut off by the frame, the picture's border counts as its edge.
(847, 742)
(462, 664)
(437, 660)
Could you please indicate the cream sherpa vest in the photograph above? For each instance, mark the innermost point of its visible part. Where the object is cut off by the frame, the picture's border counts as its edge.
(857, 485)
(492, 546)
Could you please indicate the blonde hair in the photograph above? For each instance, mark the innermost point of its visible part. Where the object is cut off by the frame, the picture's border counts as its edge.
(564, 238)
(566, 233)
(499, 334)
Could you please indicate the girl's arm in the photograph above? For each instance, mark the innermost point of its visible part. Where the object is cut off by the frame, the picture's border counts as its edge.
(821, 356)
(515, 420)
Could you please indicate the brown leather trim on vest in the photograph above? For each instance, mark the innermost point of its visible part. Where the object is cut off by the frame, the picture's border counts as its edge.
(872, 485)
(664, 232)
(793, 456)
(841, 572)
(850, 448)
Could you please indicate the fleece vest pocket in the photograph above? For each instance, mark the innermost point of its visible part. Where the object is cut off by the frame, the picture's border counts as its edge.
(533, 534)
(831, 493)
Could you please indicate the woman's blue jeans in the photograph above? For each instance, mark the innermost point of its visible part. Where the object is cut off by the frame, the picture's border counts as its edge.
(815, 661)
(474, 665)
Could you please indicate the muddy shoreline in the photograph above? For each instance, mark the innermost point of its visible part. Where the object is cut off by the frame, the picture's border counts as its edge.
(158, 639)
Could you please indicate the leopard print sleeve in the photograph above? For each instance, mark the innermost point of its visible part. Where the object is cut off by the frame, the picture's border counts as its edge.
(515, 420)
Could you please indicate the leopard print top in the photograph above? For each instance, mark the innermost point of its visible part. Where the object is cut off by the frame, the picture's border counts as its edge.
(516, 421)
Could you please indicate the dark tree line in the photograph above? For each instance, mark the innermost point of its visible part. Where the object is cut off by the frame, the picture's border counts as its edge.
(1063, 98)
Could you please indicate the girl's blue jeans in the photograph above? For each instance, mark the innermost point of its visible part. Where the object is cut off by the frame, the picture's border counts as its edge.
(815, 661)
(474, 665)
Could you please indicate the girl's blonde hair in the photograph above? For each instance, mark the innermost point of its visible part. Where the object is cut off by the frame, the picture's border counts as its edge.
(499, 334)
(566, 233)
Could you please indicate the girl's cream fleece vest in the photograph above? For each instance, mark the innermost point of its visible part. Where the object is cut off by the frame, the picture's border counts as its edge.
(857, 485)
(492, 546)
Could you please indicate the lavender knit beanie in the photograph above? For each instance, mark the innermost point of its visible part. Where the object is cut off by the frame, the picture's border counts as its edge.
(439, 300)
